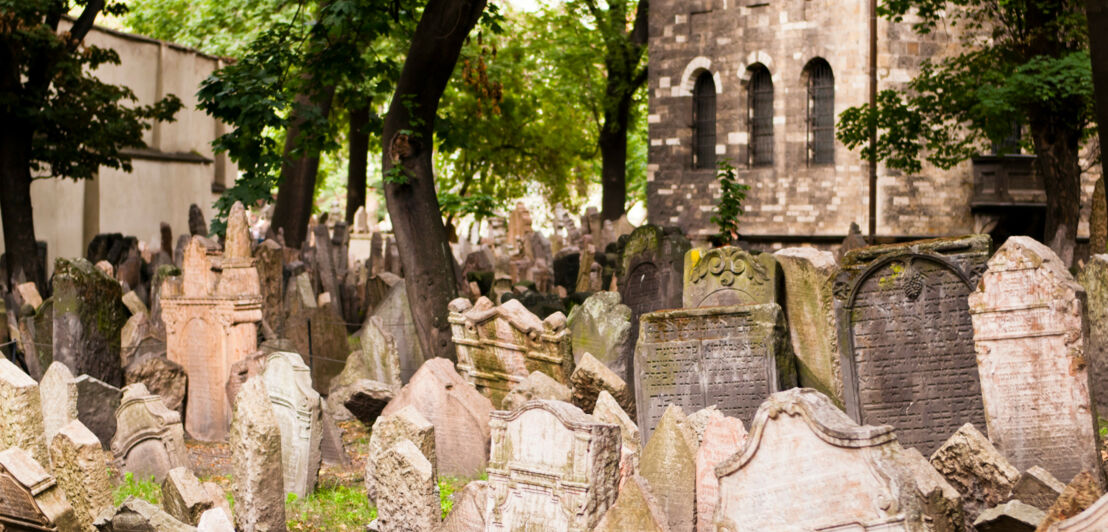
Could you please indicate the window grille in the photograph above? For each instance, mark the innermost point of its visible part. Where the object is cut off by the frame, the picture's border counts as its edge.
(704, 122)
(761, 117)
(821, 113)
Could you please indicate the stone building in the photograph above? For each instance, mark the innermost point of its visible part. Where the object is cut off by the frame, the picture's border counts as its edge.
(762, 84)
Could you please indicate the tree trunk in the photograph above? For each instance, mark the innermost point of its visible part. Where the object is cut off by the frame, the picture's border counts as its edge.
(613, 156)
(296, 191)
(407, 139)
(1056, 149)
(16, 214)
(357, 169)
(1097, 13)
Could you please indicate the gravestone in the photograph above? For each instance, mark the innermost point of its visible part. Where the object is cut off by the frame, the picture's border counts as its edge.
(806, 465)
(396, 319)
(97, 403)
(650, 278)
(255, 443)
(731, 357)
(21, 412)
(635, 509)
(906, 339)
(729, 276)
(406, 424)
(184, 497)
(270, 261)
(810, 309)
(1094, 279)
(197, 225)
(298, 411)
(499, 346)
(58, 395)
(608, 411)
(1029, 331)
(88, 316)
(551, 467)
(723, 436)
(468, 513)
(601, 326)
(668, 464)
(149, 439)
(409, 494)
(1092, 519)
(32, 499)
(211, 322)
(81, 469)
(459, 413)
(316, 331)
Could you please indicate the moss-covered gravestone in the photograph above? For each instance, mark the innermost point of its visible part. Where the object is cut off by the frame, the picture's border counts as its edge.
(88, 318)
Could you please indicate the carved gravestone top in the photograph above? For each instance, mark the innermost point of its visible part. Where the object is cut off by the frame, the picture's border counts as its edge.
(149, 438)
(731, 357)
(906, 339)
(649, 278)
(500, 345)
(729, 276)
(551, 467)
(805, 465)
(1029, 330)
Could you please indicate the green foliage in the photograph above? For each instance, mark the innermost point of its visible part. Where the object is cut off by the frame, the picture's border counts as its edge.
(147, 490)
(49, 89)
(218, 27)
(1020, 60)
(331, 507)
(731, 198)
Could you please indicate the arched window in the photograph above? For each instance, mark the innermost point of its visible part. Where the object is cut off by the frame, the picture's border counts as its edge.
(704, 122)
(821, 113)
(761, 116)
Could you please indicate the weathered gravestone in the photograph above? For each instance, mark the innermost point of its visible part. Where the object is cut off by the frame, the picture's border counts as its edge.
(21, 412)
(634, 509)
(668, 464)
(906, 339)
(810, 308)
(149, 439)
(396, 319)
(270, 262)
(407, 424)
(601, 326)
(807, 466)
(88, 318)
(731, 357)
(1094, 278)
(212, 322)
(1029, 330)
(255, 442)
(1093, 519)
(551, 467)
(316, 330)
(298, 411)
(32, 499)
(184, 497)
(459, 413)
(81, 469)
(409, 495)
(499, 346)
(608, 411)
(97, 403)
(723, 436)
(729, 276)
(650, 276)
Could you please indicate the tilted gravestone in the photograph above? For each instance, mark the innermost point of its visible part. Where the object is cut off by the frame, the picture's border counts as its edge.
(805, 465)
(906, 339)
(500, 345)
(1094, 278)
(1029, 330)
(551, 467)
(81, 469)
(211, 322)
(601, 326)
(32, 499)
(650, 279)
(409, 494)
(731, 357)
(88, 318)
(298, 410)
(1093, 519)
(149, 439)
(810, 308)
(396, 319)
(729, 276)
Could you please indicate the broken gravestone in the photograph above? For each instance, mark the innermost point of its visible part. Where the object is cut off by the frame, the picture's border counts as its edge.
(406, 424)
(408, 498)
(32, 499)
(668, 464)
(976, 469)
(810, 309)
(21, 412)
(537, 385)
(255, 443)
(88, 318)
(601, 326)
(80, 466)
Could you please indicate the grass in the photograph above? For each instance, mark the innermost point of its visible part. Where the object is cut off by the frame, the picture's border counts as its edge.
(147, 490)
(330, 507)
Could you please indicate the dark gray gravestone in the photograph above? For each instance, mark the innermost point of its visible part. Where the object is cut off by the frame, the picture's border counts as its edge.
(650, 270)
(88, 318)
(731, 357)
(906, 337)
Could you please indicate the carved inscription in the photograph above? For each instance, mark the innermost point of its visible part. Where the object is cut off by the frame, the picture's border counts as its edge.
(913, 352)
(723, 356)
